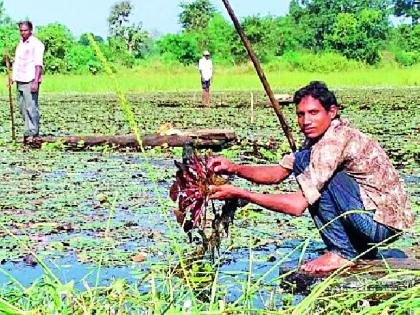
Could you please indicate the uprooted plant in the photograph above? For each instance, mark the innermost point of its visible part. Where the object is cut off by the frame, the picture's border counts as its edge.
(191, 188)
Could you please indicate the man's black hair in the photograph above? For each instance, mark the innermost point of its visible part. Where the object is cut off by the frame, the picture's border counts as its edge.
(318, 90)
(27, 23)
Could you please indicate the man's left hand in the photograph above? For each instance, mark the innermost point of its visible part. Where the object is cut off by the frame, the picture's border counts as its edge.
(34, 86)
(223, 192)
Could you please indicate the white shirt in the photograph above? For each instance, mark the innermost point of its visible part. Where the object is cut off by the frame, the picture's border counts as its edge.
(28, 55)
(206, 68)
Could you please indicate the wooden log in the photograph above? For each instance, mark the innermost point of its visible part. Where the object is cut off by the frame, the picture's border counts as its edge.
(364, 276)
(283, 99)
(203, 138)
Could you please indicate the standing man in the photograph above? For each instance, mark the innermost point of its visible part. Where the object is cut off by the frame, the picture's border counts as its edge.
(205, 66)
(27, 72)
(346, 180)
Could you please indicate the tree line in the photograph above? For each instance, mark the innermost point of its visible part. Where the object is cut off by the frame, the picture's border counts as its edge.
(313, 32)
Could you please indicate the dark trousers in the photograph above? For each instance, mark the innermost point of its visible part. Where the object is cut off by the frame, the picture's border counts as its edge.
(351, 234)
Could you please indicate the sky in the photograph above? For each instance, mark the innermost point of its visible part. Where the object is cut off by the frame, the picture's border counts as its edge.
(157, 16)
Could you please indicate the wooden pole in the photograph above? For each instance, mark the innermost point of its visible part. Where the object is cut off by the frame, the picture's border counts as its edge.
(252, 108)
(12, 116)
(261, 75)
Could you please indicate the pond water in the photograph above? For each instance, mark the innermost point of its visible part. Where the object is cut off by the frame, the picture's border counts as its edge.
(74, 209)
(73, 245)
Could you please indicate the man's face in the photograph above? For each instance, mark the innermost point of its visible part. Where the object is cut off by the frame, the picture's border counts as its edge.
(313, 118)
(25, 31)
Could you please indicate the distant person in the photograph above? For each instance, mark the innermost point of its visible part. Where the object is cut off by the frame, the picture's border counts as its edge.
(339, 169)
(205, 66)
(27, 72)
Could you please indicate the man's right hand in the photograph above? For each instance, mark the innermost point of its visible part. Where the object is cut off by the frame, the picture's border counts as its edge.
(221, 165)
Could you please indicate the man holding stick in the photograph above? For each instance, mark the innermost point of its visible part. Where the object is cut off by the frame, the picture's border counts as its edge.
(27, 72)
(346, 180)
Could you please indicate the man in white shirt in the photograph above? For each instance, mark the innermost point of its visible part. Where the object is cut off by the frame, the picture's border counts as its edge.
(205, 66)
(27, 72)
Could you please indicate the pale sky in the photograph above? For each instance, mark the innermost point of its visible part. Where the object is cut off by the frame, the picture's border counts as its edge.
(82, 16)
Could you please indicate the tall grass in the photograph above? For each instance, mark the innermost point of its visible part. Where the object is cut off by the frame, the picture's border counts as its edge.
(170, 294)
(159, 77)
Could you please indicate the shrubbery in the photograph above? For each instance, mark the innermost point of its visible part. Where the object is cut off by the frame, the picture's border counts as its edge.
(319, 62)
(405, 44)
(316, 36)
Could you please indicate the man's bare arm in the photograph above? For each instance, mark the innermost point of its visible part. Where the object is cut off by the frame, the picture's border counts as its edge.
(37, 80)
(290, 203)
(273, 174)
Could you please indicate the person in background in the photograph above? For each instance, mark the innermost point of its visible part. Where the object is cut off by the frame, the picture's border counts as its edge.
(205, 66)
(27, 73)
(346, 181)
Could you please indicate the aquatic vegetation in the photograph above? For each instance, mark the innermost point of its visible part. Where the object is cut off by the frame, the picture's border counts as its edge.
(56, 202)
(191, 189)
(193, 178)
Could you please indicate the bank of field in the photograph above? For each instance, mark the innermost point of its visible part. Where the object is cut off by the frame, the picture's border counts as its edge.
(93, 232)
(150, 78)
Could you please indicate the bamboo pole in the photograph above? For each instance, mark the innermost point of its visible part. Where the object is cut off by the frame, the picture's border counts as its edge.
(252, 107)
(262, 76)
(12, 117)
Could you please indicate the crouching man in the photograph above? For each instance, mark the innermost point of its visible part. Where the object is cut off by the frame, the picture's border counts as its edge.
(338, 169)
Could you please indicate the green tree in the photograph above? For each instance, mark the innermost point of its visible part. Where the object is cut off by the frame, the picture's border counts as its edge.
(118, 18)
(409, 9)
(81, 58)
(318, 17)
(264, 35)
(121, 29)
(358, 36)
(83, 39)
(219, 34)
(180, 47)
(5, 20)
(9, 35)
(196, 15)
(58, 40)
(289, 35)
(405, 44)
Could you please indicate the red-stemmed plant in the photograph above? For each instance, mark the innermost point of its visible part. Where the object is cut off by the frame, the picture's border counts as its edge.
(191, 189)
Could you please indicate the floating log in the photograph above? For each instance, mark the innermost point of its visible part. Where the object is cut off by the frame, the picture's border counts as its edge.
(364, 276)
(284, 99)
(203, 138)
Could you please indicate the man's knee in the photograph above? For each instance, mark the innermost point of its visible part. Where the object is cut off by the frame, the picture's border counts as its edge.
(345, 192)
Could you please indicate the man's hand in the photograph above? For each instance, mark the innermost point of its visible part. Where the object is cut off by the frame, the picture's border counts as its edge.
(223, 192)
(222, 165)
(34, 86)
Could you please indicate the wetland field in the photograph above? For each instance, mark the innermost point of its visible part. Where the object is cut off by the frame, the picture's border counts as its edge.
(93, 231)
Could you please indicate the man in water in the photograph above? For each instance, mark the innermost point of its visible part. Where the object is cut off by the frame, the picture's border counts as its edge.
(27, 72)
(338, 169)
(205, 66)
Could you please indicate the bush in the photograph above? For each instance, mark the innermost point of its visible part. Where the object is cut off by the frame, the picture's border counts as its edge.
(82, 58)
(407, 58)
(405, 44)
(321, 62)
(358, 36)
(9, 37)
(180, 47)
(57, 39)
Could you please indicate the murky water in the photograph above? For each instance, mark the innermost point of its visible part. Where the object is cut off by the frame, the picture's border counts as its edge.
(140, 226)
